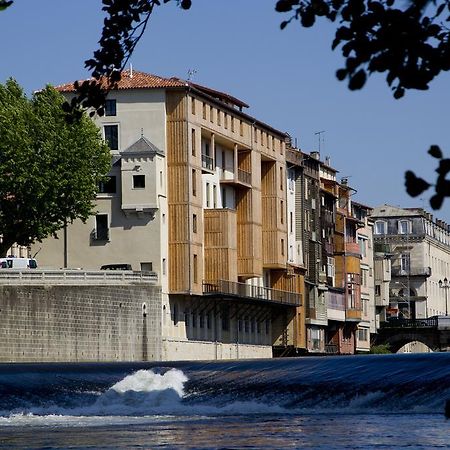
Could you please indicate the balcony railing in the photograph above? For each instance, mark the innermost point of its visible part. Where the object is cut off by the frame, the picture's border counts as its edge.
(244, 176)
(398, 271)
(431, 322)
(331, 349)
(243, 290)
(207, 162)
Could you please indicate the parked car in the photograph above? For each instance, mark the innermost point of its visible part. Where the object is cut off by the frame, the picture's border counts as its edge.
(18, 263)
(116, 267)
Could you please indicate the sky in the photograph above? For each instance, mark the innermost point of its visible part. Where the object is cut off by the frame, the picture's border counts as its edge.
(287, 77)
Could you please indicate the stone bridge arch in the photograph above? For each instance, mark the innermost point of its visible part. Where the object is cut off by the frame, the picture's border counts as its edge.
(396, 340)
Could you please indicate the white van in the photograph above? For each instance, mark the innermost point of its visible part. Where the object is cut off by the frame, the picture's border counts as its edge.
(18, 263)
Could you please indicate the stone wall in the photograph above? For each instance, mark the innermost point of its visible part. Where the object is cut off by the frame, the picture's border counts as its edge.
(80, 323)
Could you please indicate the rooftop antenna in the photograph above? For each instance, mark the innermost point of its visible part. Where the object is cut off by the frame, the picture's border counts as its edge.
(191, 73)
(321, 138)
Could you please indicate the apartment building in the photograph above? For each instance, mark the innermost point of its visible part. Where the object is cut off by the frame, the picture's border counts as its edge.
(364, 235)
(197, 193)
(418, 249)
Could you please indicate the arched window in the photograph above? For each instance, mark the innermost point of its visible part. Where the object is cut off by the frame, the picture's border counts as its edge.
(380, 227)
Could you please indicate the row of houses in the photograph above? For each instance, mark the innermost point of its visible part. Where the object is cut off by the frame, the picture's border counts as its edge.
(257, 245)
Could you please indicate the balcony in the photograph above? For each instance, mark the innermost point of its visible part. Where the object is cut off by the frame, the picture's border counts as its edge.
(329, 248)
(353, 315)
(207, 162)
(244, 176)
(398, 271)
(245, 291)
(352, 246)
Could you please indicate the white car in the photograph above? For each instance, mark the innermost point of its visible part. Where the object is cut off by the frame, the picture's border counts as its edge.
(18, 263)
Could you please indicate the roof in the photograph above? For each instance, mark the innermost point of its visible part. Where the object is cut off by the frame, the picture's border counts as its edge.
(140, 80)
(396, 211)
(134, 80)
(142, 145)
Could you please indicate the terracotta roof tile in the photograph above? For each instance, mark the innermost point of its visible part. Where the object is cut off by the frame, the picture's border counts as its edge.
(139, 80)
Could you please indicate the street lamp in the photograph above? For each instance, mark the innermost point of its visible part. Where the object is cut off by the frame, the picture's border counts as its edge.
(445, 285)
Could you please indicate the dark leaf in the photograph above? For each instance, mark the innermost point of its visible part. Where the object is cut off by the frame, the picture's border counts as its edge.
(341, 74)
(357, 81)
(415, 185)
(435, 152)
(436, 201)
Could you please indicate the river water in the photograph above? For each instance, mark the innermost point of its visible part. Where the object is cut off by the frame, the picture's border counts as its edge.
(355, 402)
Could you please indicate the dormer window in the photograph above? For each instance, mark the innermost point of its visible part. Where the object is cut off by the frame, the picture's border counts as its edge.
(380, 227)
(404, 227)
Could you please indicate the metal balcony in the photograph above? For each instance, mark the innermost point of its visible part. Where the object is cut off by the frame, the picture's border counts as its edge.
(397, 271)
(244, 176)
(207, 162)
(245, 291)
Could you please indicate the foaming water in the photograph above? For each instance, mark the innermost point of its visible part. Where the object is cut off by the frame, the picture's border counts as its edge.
(99, 394)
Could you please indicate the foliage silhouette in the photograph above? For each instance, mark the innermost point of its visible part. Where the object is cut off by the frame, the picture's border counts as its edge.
(49, 169)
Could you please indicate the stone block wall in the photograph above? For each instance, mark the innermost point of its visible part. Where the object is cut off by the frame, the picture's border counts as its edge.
(43, 323)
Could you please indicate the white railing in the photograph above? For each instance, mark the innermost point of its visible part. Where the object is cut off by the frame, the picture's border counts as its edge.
(37, 276)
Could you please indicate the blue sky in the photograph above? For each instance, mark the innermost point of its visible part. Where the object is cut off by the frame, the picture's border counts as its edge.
(287, 77)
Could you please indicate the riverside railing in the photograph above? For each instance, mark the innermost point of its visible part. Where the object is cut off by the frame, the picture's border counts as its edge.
(37, 276)
(260, 293)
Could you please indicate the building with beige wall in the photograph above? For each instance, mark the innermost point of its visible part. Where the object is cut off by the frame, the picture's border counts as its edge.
(197, 194)
(418, 247)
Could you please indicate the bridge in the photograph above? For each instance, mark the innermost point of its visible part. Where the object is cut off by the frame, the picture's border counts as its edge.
(434, 332)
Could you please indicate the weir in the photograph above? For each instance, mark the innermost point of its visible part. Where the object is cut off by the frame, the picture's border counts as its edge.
(372, 384)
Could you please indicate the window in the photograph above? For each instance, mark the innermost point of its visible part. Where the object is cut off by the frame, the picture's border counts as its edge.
(175, 314)
(380, 227)
(225, 315)
(291, 222)
(112, 136)
(160, 178)
(282, 247)
(108, 186)
(101, 227)
(204, 111)
(404, 262)
(219, 118)
(225, 121)
(138, 181)
(241, 128)
(214, 196)
(232, 124)
(194, 223)
(208, 200)
(362, 246)
(164, 266)
(224, 197)
(110, 108)
(363, 334)
(281, 211)
(377, 290)
(281, 178)
(404, 227)
(193, 142)
(193, 105)
(211, 114)
(195, 269)
(146, 266)
(194, 183)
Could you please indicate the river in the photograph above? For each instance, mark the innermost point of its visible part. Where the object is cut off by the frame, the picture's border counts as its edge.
(354, 402)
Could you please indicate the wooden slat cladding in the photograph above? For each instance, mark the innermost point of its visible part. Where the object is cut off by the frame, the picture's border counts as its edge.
(185, 256)
(248, 209)
(220, 245)
(273, 216)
